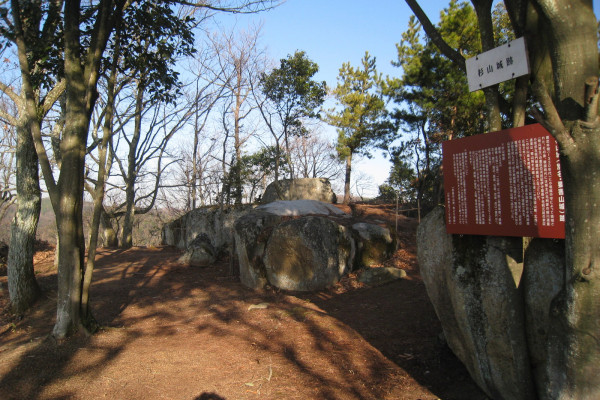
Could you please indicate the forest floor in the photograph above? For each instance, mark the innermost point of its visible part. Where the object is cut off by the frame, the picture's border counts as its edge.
(170, 331)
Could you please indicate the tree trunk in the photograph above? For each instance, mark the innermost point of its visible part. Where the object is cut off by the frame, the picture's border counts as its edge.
(69, 222)
(127, 229)
(67, 199)
(572, 117)
(347, 180)
(236, 179)
(575, 312)
(194, 179)
(109, 236)
(22, 286)
(483, 9)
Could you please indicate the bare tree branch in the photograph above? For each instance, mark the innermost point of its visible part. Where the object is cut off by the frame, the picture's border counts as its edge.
(436, 37)
(246, 7)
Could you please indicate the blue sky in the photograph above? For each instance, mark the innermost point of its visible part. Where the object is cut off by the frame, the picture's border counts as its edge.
(332, 32)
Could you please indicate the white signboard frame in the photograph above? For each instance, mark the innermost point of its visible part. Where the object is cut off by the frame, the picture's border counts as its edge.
(503, 63)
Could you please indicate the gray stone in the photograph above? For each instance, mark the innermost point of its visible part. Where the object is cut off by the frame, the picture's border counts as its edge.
(470, 282)
(374, 244)
(215, 222)
(295, 208)
(308, 253)
(293, 245)
(199, 253)
(300, 189)
(543, 280)
(251, 232)
(381, 275)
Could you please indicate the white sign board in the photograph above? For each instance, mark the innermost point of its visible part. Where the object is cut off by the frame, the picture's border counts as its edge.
(498, 65)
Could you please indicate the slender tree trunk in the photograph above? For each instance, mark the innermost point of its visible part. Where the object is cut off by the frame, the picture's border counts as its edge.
(492, 102)
(98, 195)
(22, 286)
(109, 236)
(288, 156)
(347, 180)
(235, 167)
(194, 179)
(277, 162)
(520, 102)
(127, 230)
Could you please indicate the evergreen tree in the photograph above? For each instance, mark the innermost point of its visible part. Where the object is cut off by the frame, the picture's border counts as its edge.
(361, 121)
(293, 96)
(433, 99)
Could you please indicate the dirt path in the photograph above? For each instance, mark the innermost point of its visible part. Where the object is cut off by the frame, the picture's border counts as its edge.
(174, 332)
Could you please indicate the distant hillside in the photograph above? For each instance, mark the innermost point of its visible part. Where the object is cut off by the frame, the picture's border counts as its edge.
(46, 226)
(146, 230)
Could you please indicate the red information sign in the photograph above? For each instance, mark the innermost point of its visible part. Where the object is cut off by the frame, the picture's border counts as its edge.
(505, 183)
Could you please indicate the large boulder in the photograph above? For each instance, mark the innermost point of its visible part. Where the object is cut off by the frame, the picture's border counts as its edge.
(214, 222)
(543, 280)
(251, 233)
(308, 253)
(199, 253)
(299, 189)
(374, 244)
(470, 282)
(294, 245)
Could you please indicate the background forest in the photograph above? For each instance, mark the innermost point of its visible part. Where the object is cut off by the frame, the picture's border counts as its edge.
(192, 118)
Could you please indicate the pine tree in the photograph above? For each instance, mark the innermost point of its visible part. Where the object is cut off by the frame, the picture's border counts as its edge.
(362, 120)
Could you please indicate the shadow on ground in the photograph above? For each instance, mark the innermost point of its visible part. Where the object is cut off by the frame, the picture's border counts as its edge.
(171, 331)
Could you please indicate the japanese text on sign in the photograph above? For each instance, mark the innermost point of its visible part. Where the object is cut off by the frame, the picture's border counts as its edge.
(505, 183)
(497, 65)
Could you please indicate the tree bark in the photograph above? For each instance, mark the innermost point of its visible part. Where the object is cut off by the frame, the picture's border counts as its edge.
(575, 312)
(67, 196)
(347, 179)
(69, 223)
(109, 236)
(23, 288)
(70, 208)
(98, 195)
(571, 115)
(483, 9)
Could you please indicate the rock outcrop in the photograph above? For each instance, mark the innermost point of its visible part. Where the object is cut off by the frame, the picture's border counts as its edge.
(199, 253)
(374, 244)
(305, 245)
(216, 223)
(299, 189)
(470, 282)
(308, 253)
(293, 245)
(298, 245)
(508, 319)
(543, 280)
